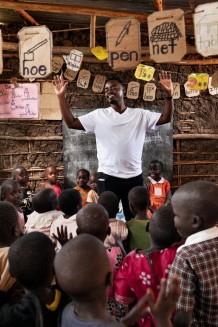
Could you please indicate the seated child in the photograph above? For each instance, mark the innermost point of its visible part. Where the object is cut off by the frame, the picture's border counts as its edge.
(51, 175)
(93, 219)
(83, 271)
(158, 187)
(82, 179)
(93, 194)
(110, 202)
(143, 269)
(9, 232)
(21, 175)
(11, 192)
(44, 204)
(195, 207)
(138, 237)
(70, 203)
(31, 259)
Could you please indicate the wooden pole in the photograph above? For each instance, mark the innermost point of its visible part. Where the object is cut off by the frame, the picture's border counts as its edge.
(158, 5)
(29, 18)
(92, 31)
(195, 136)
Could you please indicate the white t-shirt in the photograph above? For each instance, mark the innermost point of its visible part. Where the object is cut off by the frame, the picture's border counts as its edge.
(119, 138)
(70, 223)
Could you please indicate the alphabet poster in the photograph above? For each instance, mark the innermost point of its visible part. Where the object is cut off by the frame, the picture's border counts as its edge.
(35, 51)
(206, 29)
(123, 43)
(19, 102)
(167, 40)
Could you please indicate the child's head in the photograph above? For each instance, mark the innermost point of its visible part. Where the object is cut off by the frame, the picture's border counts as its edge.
(195, 207)
(9, 225)
(82, 268)
(162, 229)
(110, 202)
(21, 175)
(155, 169)
(44, 200)
(93, 181)
(82, 177)
(11, 191)
(93, 219)
(138, 199)
(31, 260)
(51, 174)
(70, 202)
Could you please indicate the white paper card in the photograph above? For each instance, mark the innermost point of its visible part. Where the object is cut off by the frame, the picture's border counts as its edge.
(190, 93)
(133, 90)
(83, 78)
(149, 92)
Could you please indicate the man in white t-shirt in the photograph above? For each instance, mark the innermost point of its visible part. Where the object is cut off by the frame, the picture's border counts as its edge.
(120, 133)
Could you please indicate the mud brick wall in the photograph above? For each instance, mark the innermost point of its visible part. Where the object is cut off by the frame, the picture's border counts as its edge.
(38, 143)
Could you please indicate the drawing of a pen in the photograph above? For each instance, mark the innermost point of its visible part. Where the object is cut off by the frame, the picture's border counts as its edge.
(123, 33)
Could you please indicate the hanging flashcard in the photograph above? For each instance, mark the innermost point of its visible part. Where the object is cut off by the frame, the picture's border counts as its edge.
(49, 104)
(144, 72)
(133, 90)
(98, 84)
(198, 81)
(212, 90)
(20, 101)
(190, 93)
(70, 74)
(1, 56)
(206, 29)
(99, 52)
(123, 43)
(35, 51)
(74, 60)
(149, 92)
(176, 91)
(214, 79)
(83, 78)
(167, 39)
(57, 63)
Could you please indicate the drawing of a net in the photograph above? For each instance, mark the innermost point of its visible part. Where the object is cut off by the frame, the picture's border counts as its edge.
(165, 32)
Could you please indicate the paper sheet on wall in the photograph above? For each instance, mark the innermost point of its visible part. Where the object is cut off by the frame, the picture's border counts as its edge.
(19, 102)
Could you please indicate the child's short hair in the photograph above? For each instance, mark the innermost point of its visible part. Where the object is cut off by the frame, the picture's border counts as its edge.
(82, 266)
(83, 170)
(44, 200)
(93, 219)
(69, 201)
(157, 162)
(8, 220)
(16, 170)
(8, 183)
(31, 260)
(110, 202)
(139, 197)
(162, 228)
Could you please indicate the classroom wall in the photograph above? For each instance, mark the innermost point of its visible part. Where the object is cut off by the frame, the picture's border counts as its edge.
(38, 143)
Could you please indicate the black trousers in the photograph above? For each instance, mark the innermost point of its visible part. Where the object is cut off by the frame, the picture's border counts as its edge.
(121, 187)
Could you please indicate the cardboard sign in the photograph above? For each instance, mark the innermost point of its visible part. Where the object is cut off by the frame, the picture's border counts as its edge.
(212, 90)
(190, 93)
(49, 104)
(198, 81)
(176, 91)
(98, 84)
(205, 27)
(167, 39)
(57, 63)
(19, 102)
(70, 74)
(99, 52)
(214, 79)
(83, 79)
(35, 51)
(133, 90)
(144, 72)
(149, 92)
(1, 55)
(123, 43)
(74, 60)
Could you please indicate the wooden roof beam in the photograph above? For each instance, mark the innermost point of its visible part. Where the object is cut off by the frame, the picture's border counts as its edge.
(27, 17)
(76, 10)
